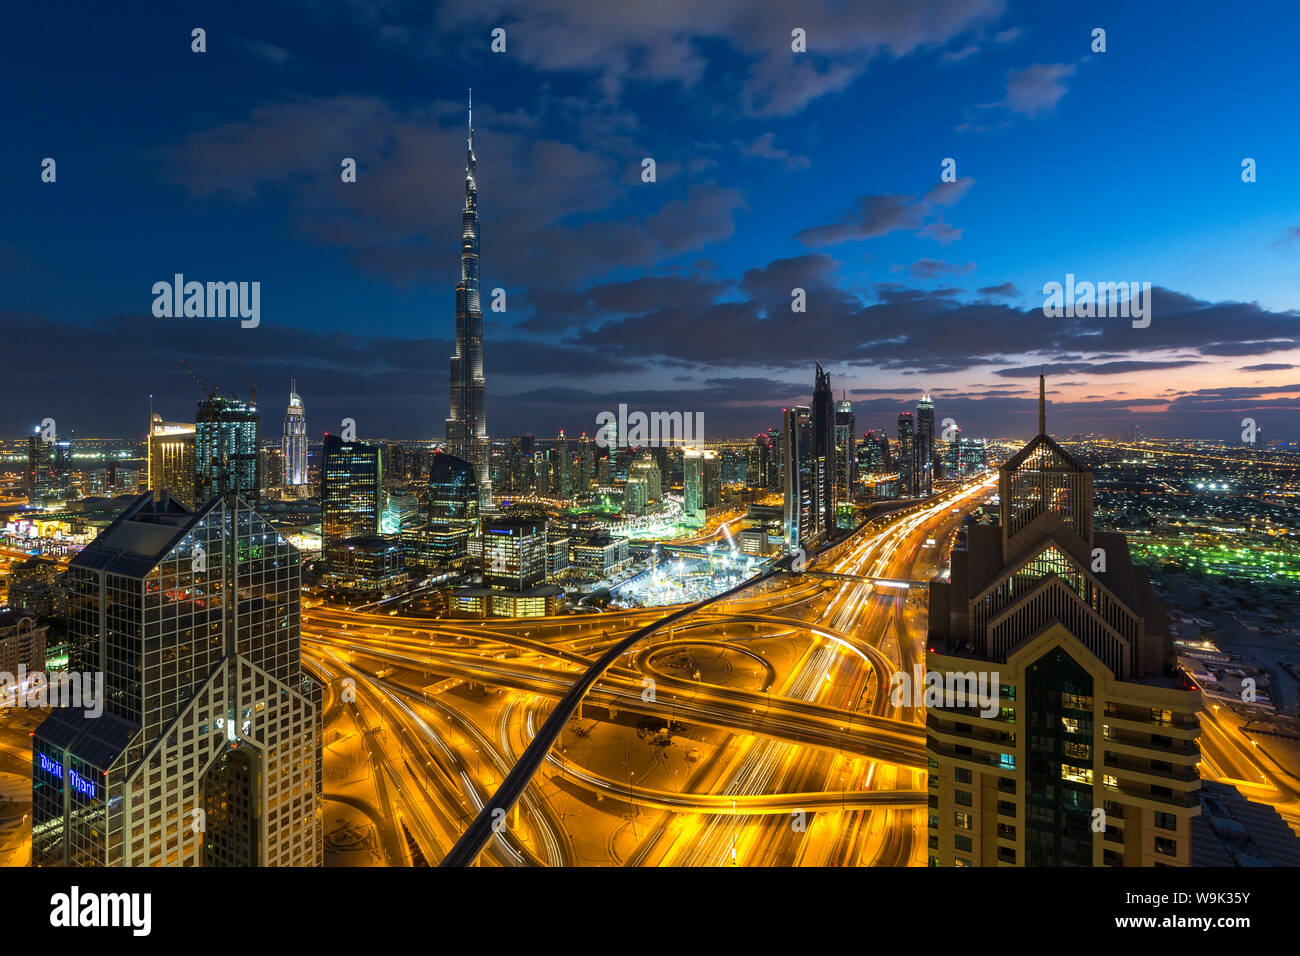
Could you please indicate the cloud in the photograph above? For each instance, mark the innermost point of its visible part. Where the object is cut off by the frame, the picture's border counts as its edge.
(621, 44)
(556, 211)
(763, 147)
(1006, 290)
(1035, 90)
(1267, 367)
(266, 52)
(878, 215)
(1291, 235)
(931, 268)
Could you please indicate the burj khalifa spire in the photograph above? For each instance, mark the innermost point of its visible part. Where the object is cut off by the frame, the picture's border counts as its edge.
(467, 436)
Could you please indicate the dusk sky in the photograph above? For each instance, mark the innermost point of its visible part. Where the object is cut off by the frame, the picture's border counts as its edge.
(775, 170)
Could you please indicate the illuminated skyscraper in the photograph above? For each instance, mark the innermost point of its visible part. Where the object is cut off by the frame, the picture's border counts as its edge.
(208, 749)
(294, 442)
(923, 449)
(906, 454)
(171, 459)
(823, 417)
(453, 494)
(225, 450)
(46, 480)
(1083, 750)
(846, 459)
(351, 494)
(798, 472)
(467, 436)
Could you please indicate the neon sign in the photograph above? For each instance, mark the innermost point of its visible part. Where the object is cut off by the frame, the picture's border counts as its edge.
(79, 783)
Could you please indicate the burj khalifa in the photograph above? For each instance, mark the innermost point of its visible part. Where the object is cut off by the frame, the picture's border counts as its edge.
(467, 436)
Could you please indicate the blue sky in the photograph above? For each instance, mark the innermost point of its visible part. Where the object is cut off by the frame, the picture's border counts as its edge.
(819, 170)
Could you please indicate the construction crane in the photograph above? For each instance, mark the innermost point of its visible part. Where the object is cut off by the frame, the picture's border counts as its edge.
(197, 381)
(252, 385)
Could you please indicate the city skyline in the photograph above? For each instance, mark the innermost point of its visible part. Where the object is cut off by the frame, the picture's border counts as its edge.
(673, 294)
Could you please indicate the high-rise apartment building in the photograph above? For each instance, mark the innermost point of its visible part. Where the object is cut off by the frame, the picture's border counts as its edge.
(208, 750)
(1084, 748)
(907, 477)
(225, 450)
(46, 480)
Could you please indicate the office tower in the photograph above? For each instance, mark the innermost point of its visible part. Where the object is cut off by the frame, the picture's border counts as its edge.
(542, 472)
(225, 450)
(453, 493)
(823, 414)
(514, 573)
(47, 476)
(208, 750)
(701, 488)
(171, 459)
(512, 479)
(966, 456)
(663, 457)
(759, 470)
(647, 470)
(586, 462)
(401, 510)
(799, 473)
(467, 436)
(923, 447)
(907, 477)
(846, 459)
(562, 462)
(1084, 750)
(293, 445)
(351, 494)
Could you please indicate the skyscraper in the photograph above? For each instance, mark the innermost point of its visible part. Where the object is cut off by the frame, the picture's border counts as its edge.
(823, 415)
(846, 459)
(225, 450)
(453, 493)
(46, 479)
(923, 449)
(294, 442)
(467, 436)
(1084, 749)
(351, 493)
(171, 459)
(906, 454)
(798, 473)
(208, 749)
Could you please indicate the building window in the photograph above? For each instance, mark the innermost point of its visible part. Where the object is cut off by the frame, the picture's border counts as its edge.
(1166, 847)
(962, 843)
(962, 775)
(964, 798)
(961, 820)
(1109, 782)
(1166, 821)
(958, 861)
(1008, 762)
(1076, 774)
(1006, 808)
(1078, 751)
(1071, 724)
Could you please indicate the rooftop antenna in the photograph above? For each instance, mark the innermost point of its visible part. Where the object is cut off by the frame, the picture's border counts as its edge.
(1042, 405)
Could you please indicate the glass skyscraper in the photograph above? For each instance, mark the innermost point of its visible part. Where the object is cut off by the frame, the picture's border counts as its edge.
(225, 450)
(351, 495)
(208, 749)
